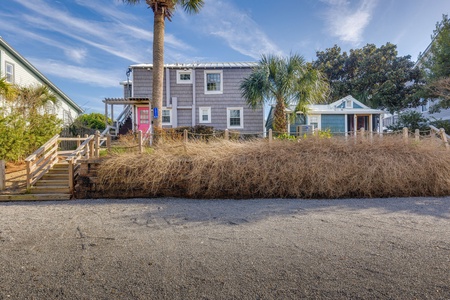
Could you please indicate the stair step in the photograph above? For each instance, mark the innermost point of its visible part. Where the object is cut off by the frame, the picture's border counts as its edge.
(49, 189)
(34, 197)
(53, 181)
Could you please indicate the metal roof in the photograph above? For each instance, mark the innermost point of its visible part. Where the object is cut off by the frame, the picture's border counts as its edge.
(210, 65)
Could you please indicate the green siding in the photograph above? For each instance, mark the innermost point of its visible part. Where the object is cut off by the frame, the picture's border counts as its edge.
(336, 123)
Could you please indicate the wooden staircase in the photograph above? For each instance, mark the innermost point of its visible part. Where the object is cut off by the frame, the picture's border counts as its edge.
(54, 184)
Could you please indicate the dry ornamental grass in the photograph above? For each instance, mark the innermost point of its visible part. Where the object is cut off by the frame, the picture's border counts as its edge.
(309, 168)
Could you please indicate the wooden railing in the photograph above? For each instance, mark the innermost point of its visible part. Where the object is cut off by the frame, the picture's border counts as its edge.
(84, 151)
(42, 160)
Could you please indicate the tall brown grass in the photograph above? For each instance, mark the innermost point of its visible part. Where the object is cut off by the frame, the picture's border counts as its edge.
(310, 168)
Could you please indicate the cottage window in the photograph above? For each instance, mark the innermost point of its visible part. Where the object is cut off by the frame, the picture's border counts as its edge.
(213, 82)
(9, 72)
(166, 116)
(204, 114)
(184, 76)
(235, 117)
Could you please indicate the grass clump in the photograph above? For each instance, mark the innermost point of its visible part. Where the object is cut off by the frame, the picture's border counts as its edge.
(311, 168)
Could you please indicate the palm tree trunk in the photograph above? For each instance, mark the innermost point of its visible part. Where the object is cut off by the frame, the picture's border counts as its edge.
(158, 65)
(279, 120)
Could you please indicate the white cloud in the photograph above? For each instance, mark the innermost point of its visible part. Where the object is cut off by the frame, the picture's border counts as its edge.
(91, 76)
(348, 21)
(237, 29)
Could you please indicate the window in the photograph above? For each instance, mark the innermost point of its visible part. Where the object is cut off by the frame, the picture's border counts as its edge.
(184, 76)
(425, 106)
(314, 120)
(348, 103)
(213, 82)
(144, 116)
(9, 72)
(235, 117)
(166, 116)
(204, 114)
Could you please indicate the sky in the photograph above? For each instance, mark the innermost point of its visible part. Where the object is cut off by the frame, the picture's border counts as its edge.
(86, 46)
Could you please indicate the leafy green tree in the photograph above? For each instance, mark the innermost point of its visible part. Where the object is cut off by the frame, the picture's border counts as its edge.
(27, 125)
(285, 81)
(163, 9)
(91, 121)
(412, 120)
(376, 76)
(436, 64)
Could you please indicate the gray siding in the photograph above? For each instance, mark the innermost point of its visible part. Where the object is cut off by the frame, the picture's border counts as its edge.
(253, 120)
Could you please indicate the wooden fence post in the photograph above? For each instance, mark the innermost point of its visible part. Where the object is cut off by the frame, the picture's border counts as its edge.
(97, 144)
(141, 148)
(362, 131)
(2, 175)
(108, 142)
(226, 135)
(444, 138)
(270, 136)
(78, 141)
(405, 134)
(417, 135)
(185, 136)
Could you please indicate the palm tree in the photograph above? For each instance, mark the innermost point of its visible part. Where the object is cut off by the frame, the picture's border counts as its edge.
(163, 9)
(284, 81)
(32, 100)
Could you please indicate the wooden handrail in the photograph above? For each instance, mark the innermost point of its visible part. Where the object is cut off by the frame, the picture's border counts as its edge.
(42, 160)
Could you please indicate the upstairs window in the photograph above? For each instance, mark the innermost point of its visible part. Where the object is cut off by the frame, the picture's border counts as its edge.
(184, 76)
(213, 82)
(9, 67)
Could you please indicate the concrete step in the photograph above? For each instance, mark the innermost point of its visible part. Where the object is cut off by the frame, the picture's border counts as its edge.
(34, 197)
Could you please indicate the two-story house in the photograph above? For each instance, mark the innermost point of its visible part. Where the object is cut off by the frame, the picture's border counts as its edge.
(194, 94)
(17, 70)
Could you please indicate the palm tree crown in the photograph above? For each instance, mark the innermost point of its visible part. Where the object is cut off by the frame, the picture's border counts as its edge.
(284, 81)
(163, 9)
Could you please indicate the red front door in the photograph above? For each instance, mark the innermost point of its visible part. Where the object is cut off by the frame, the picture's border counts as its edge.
(143, 119)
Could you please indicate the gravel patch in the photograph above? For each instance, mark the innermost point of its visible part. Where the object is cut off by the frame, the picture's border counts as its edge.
(395, 248)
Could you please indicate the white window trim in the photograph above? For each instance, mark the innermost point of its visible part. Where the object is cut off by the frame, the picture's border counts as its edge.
(13, 71)
(241, 109)
(170, 115)
(318, 121)
(221, 81)
(200, 119)
(180, 81)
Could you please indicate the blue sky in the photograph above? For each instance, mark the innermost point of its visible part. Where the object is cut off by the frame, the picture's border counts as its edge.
(85, 46)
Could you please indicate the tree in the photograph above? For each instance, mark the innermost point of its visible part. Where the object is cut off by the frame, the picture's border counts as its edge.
(284, 81)
(163, 9)
(436, 64)
(412, 120)
(376, 76)
(6, 89)
(28, 124)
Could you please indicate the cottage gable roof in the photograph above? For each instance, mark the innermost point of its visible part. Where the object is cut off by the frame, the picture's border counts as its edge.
(11, 51)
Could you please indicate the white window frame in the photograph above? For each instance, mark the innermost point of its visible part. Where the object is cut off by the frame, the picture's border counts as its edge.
(200, 115)
(318, 121)
(221, 81)
(183, 81)
(162, 116)
(241, 109)
(9, 74)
